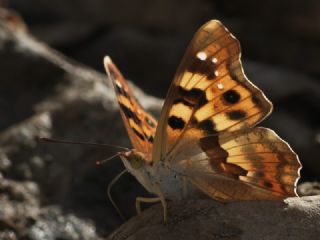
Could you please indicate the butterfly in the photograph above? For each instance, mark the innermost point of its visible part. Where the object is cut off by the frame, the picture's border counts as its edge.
(205, 139)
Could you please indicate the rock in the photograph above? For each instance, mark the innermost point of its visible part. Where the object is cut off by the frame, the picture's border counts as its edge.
(19, 206)
(295, 218)
(53, 224)
(44, 94)
(309, 189)
(22, 216)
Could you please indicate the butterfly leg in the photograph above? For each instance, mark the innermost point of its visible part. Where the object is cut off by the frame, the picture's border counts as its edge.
(114, 180)
(164, 206)
(161, 199)
(140, 200)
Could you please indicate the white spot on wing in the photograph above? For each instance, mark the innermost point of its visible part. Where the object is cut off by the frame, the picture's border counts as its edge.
(220, 86)
(202, 56)
(118, 84)
(216, 73)
(214, 60)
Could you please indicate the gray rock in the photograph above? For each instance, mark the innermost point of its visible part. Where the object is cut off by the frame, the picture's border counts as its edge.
(309, 189)
(45, 94)
(53, 224)
(295, 218)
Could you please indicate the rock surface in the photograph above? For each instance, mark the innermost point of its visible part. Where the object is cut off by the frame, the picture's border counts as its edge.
(294, 219)
(44, 94)
(309, 189)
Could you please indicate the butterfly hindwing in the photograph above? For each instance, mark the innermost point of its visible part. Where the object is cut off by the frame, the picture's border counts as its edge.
(258, 161)
(140, 125)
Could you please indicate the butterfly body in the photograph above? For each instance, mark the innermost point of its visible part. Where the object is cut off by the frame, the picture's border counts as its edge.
(206, 137)
(158, 178)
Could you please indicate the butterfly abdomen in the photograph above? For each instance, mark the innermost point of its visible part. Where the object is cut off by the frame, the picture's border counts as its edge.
(173, 184)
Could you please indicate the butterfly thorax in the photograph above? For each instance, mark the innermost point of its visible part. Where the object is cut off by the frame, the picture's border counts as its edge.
(158, 178)
(136, 164)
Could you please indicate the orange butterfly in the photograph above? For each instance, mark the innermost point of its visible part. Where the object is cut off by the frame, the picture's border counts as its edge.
(205, 138)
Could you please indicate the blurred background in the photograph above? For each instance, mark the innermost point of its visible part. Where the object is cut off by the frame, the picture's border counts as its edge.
(280, 43)
(148, 38)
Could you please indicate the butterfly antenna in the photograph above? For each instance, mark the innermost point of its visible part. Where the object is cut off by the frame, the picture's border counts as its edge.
(99, 162)
(53, 140)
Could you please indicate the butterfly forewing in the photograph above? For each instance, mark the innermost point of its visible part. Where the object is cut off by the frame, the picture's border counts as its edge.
(210, 92)
(140, 125)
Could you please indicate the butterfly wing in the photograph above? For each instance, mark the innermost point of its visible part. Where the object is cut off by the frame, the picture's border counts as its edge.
(249, 164)
(212, 101)
(140, 125)
(210, 91)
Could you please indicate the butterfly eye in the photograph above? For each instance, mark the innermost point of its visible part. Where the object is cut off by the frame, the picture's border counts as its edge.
(136, 162)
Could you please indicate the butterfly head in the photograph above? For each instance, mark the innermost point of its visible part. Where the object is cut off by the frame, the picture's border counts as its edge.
(133, 159)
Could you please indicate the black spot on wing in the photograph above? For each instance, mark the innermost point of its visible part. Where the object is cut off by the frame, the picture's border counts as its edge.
(259, 174)
(176, 122)
(216, 154)
(197, 66)
(268, 184)
(207, 126)
(130, 114)
(258, 100)
(120, 90)
(211, 75)
(211, 142)
(236, 114)
(183, 101)
(150, 139)
(231, 96)
(202, 101)
(203, 67)
(138, 134)
(193, 96)
(255, 99)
